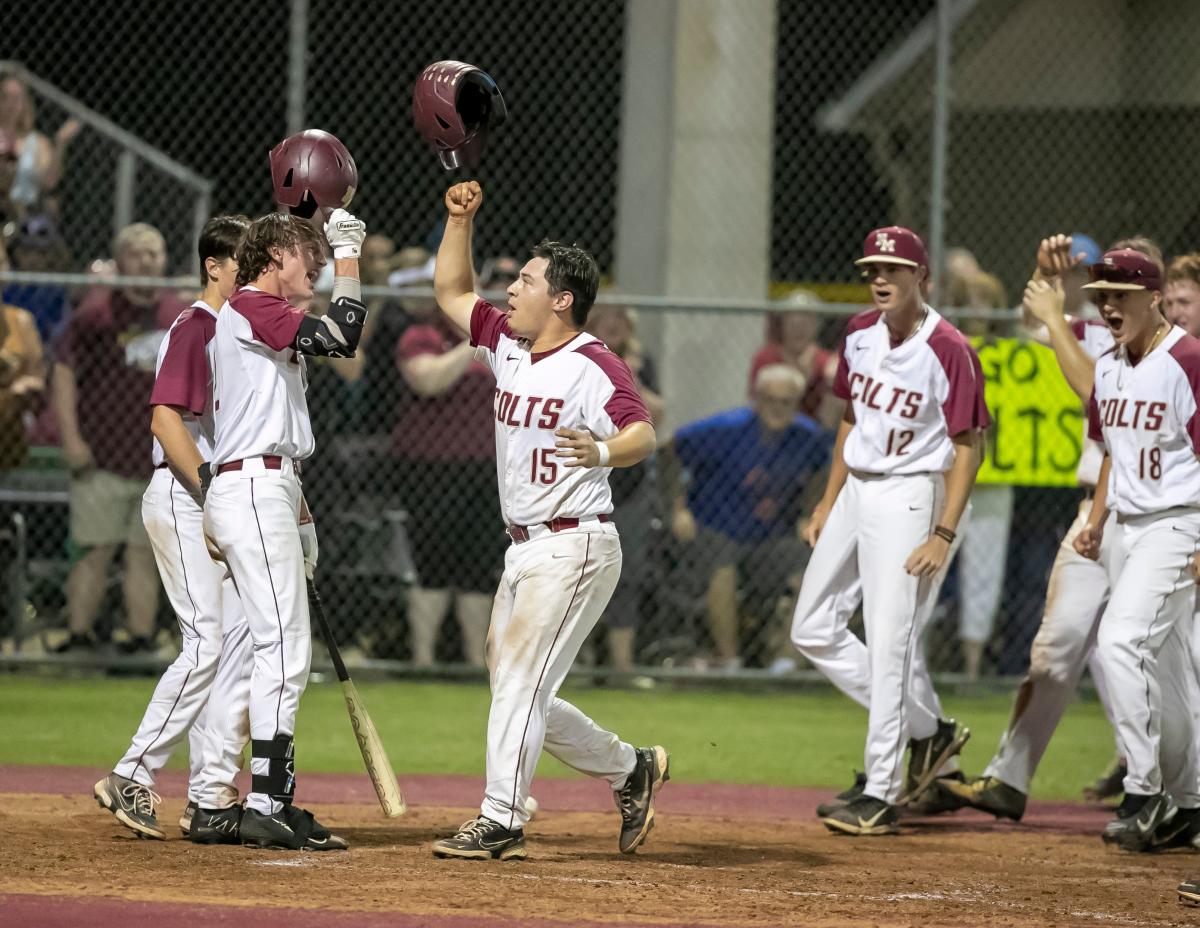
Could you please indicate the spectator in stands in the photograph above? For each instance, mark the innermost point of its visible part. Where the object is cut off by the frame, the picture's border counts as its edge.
(31, 165)
(634, 490)
(22, 377)
(444, 444)
(747, 478)
(37, 247)
(791, 339)
(1181, 298)
(101, 381)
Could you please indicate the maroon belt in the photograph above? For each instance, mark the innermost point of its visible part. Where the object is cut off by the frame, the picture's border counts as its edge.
(520, 533)
(270, 462)
(161, 466)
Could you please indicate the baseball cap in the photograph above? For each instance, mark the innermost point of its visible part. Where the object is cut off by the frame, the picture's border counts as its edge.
(894, 245)
(1125, 269)
(1083, 243)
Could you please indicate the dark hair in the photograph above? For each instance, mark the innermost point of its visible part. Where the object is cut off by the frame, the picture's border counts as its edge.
(571, 269)
(275, 230)
(219, 239)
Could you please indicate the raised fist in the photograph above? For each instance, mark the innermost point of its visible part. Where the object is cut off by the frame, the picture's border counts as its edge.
(463, 200)
(345, 234)
(1045, 300)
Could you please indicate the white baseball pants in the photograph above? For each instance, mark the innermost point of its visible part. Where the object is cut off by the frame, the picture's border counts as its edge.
(553, 591)
(1145, 646)
(212, 666)
(1075, 599)
(250, 515)
(874, 526)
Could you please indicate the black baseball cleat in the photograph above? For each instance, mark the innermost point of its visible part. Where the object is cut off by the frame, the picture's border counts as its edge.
(289, 829)
(216, 826)
(185, 818)
(927, 756)
(132, 804)
(1189, 892)
(1179, 830)
(635, 800)
(864, 816)
(1109, 784)
(1138, 817)
(938, 798)
(987, 794)
(847, 795)
(483, 839)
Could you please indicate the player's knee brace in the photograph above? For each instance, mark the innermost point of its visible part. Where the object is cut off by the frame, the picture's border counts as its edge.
(279, 782)
(334, 335)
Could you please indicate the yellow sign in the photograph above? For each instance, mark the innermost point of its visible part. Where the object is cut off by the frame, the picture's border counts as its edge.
(1037, 420)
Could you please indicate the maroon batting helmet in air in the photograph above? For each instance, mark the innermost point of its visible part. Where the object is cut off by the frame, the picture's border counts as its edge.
(311, 170)
(455, 105)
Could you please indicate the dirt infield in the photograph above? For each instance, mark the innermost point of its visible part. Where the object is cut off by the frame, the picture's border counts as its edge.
(721, 855)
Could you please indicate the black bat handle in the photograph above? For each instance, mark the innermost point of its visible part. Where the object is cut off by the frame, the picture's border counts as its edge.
(317, 608)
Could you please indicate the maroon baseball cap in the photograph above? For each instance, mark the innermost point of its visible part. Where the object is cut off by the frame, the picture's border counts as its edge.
(1125, 269)
(894, 245)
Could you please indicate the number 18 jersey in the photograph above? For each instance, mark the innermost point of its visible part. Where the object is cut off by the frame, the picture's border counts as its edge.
(1148, 417)
(910, 399)
(579, 385)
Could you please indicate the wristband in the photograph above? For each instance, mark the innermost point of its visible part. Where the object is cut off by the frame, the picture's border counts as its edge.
(602, 448)
(944, 533)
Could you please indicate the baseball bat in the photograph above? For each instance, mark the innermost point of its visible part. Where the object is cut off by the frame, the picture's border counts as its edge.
(379, 768)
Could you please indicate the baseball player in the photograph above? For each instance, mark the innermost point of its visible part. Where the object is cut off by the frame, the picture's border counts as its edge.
(1079, 587)
(254, 511)
(567, 411)
(1145, 409)
(215, 650)
(907, 452)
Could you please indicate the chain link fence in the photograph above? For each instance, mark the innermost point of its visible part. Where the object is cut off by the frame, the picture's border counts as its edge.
(163, 117)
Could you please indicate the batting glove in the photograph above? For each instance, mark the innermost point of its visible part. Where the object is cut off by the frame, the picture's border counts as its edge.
(345, 234)
(308, 544)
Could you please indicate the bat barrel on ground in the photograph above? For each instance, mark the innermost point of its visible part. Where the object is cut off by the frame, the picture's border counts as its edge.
(379, 768)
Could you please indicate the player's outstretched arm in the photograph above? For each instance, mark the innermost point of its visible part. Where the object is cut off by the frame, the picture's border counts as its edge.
(930, 556)
(337, 333)
(1044, 301)
(630, 446)
(454, 274)
(1087, 542)
(184, 458)
(833, 486)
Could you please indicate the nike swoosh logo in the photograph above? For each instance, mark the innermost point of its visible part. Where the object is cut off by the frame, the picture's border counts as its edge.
(513, 357)
(860, 347)
(488, 845)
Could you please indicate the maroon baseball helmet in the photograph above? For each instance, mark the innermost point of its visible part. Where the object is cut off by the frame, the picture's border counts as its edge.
(455, 106)
(311, 170)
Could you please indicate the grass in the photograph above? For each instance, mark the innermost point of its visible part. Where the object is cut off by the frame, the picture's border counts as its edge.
(807, 737)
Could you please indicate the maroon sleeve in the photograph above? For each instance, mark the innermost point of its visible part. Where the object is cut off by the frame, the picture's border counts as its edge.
(1186, 353)
(964, 407)
(1095, 431)
(183, 376)
(625, 406)
(487, 325)
(1079, 329)
(273, 320)
(418, 340)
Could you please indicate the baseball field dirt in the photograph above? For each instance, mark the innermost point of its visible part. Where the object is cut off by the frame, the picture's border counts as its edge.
(720, 855)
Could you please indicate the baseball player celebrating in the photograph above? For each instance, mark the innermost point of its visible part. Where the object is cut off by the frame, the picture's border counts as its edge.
(567, 411)
(216, 647)
(905, 460)
(1145, 408)
(254, 504)
(1079, 587)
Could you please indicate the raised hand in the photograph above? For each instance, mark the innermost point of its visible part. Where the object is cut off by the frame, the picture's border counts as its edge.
(463, 200)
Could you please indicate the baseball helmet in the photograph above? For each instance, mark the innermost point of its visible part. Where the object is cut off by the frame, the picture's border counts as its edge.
(455, 105)
(310, 170)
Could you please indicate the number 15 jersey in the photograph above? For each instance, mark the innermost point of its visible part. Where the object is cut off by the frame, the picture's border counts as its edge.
(911, 399)
(1147, 415)
(579, 385)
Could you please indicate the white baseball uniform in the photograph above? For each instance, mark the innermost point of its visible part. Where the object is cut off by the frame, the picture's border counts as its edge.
(1148, 416)
(909, 401)
(251, 511)
(564, 561)
(1075, 598)
(206, 688)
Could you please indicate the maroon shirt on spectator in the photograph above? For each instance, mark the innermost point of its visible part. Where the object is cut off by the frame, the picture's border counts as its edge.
(454, 426)
(112, 345)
